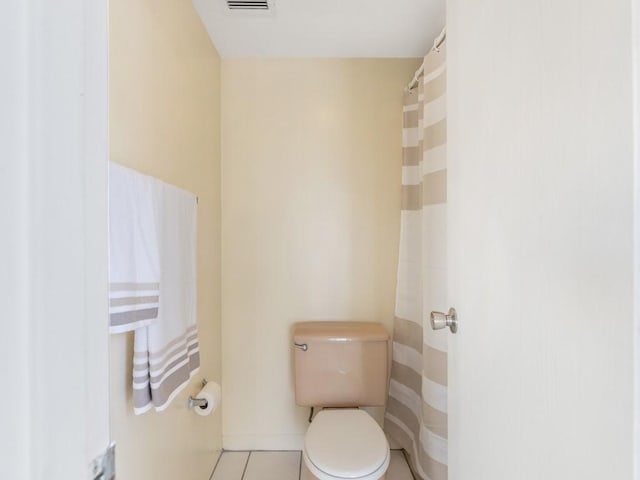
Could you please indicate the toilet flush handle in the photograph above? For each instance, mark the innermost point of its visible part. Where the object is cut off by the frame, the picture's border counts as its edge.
(301, 346)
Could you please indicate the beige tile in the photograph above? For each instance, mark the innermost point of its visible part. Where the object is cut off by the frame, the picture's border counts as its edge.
(305, 473)
(398, 468)
(273, 466)
(230, 466)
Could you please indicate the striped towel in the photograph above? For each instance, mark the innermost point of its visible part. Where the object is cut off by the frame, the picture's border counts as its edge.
(166, 353)
(134, 268)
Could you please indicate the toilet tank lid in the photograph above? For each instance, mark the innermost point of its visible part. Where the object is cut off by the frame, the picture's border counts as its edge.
(337, 331)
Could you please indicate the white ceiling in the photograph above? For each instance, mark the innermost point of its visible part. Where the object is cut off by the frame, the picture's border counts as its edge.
(325, 28)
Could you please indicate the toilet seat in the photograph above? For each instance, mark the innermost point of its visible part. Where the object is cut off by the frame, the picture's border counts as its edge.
(346, 444)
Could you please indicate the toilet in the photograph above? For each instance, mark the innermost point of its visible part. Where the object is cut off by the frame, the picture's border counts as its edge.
(339, 367)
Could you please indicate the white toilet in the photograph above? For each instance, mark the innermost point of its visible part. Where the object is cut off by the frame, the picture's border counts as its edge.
(342, 366)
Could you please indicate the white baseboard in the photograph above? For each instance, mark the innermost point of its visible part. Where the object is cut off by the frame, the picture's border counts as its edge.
(267, 442)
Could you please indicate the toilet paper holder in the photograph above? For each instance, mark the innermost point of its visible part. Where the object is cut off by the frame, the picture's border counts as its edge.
(199, 402)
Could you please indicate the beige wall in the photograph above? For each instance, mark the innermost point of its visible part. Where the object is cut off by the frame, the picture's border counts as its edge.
(165, 121)
(310, 221)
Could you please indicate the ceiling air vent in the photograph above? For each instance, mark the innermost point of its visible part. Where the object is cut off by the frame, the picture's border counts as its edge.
(248, 4)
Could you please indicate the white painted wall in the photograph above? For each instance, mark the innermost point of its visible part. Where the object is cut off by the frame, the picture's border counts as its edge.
(541, 201)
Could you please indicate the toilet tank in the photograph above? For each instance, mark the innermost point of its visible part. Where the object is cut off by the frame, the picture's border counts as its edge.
(340, 364)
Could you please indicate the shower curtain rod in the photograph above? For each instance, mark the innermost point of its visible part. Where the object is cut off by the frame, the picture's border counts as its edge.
(436, 46)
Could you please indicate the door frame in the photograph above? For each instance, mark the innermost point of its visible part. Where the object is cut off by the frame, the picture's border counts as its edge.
(635, 19)
(68, 137)
(54, 220)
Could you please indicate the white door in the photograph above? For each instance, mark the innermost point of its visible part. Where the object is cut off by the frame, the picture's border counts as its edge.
(54, 408)
(540, 197)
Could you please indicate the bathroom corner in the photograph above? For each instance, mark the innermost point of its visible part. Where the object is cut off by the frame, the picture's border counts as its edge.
(164, 107)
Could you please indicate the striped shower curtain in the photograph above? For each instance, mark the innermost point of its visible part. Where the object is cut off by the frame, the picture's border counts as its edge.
(416, 415)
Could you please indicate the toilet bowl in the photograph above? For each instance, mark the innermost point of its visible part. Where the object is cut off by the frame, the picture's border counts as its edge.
(343, 444)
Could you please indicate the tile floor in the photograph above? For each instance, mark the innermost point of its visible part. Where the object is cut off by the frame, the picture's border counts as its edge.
(284, 466)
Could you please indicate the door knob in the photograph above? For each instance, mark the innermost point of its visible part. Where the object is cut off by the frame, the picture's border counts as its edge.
(441, 320)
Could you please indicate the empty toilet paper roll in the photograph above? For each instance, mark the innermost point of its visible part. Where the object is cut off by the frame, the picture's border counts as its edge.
(211, 393)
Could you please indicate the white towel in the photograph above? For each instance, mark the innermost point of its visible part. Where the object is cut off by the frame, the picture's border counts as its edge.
(166, 353)
(134, 270)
